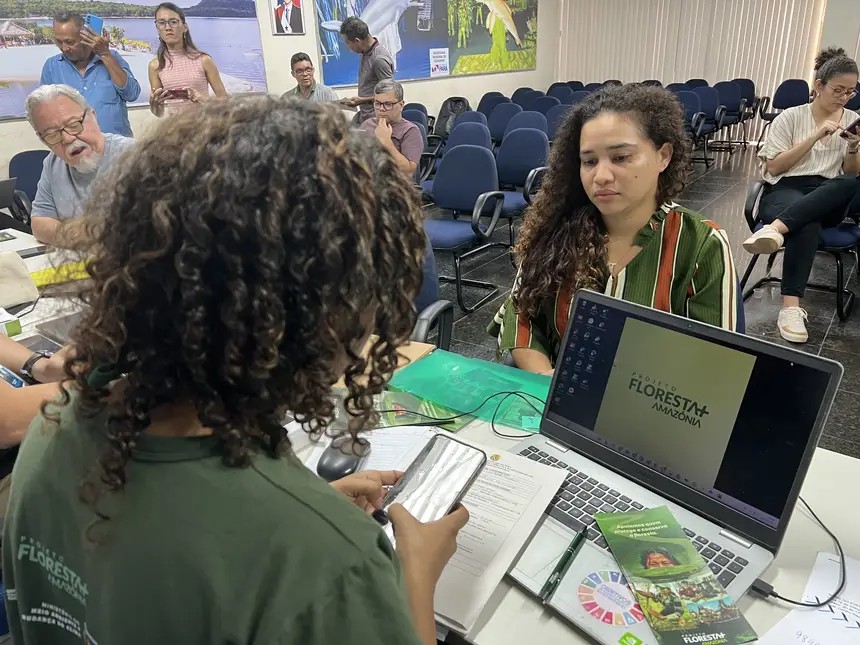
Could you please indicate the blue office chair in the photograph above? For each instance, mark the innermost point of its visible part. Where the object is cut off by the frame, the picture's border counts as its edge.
(499, 119)
(473, 134)
(470, 116)
(527, 99)
(26, 167)
(489, 101)
(749, 96)
(561, 92)
(576, 86)
(694, 118)
(581, 95)
(544, 104)
(612, 82)
(416, 116)
(526, 119)
(714, 111)
(790, 93)
(554, 86)
(678, 87)
(522, 150)
(592, 87)
(652, 82)
(431, 120)
(854, 103)
(519, 92)
(836, 241)
(467, 182)
(554, 119)
(432, 312)
(731, 97)
(693, 83)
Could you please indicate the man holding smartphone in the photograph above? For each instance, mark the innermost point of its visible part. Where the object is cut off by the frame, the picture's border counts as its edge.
(87, 64)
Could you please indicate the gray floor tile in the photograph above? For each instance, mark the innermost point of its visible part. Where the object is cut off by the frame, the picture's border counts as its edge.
(851, 365)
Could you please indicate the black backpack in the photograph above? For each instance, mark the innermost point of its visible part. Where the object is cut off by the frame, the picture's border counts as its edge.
(448, 113)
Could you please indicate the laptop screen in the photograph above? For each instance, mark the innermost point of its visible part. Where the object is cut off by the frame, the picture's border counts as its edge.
(729, 422)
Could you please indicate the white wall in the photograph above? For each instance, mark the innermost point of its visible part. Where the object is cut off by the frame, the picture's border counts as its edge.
(842, 26)
(16, 136)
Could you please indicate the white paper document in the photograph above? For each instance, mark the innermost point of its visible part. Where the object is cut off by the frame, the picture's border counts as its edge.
(505, 504)
(835, 624)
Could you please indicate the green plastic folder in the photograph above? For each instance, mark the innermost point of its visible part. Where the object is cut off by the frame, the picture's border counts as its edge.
(462, 384)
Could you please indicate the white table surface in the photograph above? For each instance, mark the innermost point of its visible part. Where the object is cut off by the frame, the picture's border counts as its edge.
(830, 487)
(27, 241)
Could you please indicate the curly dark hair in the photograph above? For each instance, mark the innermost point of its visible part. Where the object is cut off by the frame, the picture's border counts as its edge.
(561, 243)
(243, 254)
(833, 61)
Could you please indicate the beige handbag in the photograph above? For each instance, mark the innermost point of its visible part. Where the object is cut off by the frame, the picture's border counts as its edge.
(16, 286)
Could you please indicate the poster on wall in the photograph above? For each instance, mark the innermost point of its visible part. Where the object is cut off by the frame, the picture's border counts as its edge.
(227, 30)
(432, 38)
(286, 17)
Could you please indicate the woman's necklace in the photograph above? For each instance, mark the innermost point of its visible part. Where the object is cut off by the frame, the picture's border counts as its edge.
(616, 267)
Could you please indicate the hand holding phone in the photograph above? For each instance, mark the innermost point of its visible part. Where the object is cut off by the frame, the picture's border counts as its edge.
(177, 94)
(851, 129)
(95, 23)
(426, 547)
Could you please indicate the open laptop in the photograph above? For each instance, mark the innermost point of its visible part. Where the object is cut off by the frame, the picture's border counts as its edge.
(649, 409)
(7, 192)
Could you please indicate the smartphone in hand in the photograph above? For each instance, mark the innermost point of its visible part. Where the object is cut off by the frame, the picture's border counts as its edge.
(177, 94)
(95, 23)
(851, 129)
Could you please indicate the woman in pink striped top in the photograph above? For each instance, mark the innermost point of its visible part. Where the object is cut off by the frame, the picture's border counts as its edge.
(180, 75)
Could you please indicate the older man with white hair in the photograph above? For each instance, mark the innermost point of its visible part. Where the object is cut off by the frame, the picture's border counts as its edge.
(80, 152)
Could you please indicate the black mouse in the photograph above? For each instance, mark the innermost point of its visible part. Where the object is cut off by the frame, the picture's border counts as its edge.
(335, 463)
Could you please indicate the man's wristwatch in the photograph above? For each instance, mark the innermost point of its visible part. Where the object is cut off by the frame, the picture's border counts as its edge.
(27, 369)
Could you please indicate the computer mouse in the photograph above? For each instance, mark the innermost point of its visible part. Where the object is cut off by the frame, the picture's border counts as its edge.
(336, 463)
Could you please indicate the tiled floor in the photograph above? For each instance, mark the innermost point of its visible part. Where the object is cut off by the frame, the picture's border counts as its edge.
(718, 193)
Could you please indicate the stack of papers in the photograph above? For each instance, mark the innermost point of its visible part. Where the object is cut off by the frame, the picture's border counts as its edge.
(835, 624)
(505, 504)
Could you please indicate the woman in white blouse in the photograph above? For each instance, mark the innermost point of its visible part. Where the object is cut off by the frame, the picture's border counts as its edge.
(804, 160)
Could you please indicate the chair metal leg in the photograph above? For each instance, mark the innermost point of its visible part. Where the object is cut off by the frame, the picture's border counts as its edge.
(749, 270)
(459, 281)
(766, 279)
(707, 159)
(744, 130)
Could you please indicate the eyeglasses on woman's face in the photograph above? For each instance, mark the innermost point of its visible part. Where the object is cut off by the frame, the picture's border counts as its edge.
(164, 24)
(842, 92)
(74, 128)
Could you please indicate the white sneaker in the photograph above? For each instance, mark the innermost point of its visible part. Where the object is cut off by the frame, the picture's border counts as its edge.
(791, 324)
(764, 241)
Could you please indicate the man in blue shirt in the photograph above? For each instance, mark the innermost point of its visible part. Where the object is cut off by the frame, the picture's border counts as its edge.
(88, 65)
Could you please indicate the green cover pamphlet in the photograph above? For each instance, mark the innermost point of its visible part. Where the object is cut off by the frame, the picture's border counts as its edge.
(679, 595)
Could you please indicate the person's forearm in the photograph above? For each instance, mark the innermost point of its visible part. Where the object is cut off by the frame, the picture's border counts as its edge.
(851, 164)
(363, 100)
(117, 73)
(45, 229)
(402, 162)
(20, 406)
(13, 355)
(531, 360)
(421, 603)
(785, 161)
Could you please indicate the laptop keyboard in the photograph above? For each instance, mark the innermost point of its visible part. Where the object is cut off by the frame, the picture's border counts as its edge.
(581, 495)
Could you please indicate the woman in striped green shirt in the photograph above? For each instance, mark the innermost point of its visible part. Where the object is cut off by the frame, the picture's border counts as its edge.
(616, 229)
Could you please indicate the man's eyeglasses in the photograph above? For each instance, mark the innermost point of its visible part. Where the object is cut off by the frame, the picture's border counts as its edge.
(52, 137)
(839, 93)
(303, 71)
(173, 22)
(385, 106)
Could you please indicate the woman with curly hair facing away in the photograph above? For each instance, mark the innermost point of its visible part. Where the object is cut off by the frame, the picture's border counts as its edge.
(604, 220)
(244, 254)
(804, 160)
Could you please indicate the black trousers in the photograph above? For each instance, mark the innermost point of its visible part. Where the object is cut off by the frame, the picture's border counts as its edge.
(805, 205)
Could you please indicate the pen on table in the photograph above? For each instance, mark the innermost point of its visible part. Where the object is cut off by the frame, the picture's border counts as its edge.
(561, 566)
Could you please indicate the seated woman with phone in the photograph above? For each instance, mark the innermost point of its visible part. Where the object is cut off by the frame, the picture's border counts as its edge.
(604, 219)
(162, 482)
(808, 150)
(180, 75)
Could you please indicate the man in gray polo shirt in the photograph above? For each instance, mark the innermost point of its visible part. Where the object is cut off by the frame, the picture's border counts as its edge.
(80, 152)
(302, 69)
(376, 65)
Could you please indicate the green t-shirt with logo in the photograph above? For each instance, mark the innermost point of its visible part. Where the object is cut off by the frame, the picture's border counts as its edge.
(194, 551)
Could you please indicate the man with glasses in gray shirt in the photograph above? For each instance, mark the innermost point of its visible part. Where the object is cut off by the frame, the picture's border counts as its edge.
(302, 69)
(376, 65)
(80, 152)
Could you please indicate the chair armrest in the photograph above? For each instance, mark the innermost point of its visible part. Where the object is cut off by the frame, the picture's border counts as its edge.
(753, 196)
(480, 203)
(697, 123)
(719, 115)
(425, 165)
(435, 140)
(533, 182)
(431, 122)
(21, 207)
(742, 108)
(763, 105)
(441, 314)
